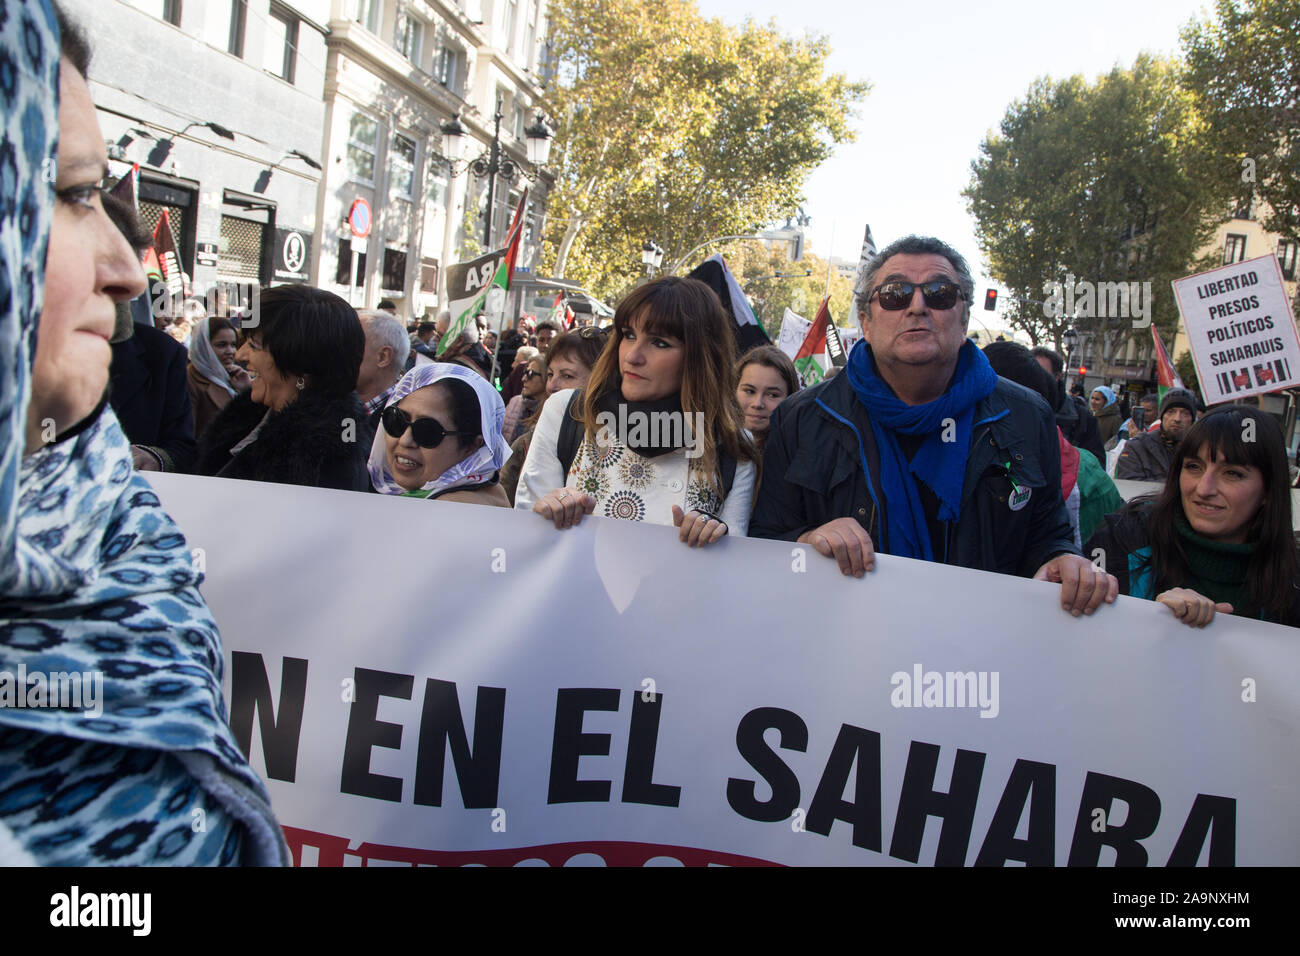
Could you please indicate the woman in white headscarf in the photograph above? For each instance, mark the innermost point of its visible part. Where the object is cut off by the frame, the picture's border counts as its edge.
(441, 438)
(212, 376)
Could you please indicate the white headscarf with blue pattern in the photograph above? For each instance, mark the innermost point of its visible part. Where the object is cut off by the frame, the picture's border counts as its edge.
(94, 575)
(480, 465)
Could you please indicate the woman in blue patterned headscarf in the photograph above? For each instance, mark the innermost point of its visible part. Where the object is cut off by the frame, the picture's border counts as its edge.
(114, 746)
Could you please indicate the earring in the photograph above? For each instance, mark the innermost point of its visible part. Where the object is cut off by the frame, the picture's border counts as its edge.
(300, 383)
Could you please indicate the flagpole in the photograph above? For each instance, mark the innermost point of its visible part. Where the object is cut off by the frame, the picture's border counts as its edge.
(828, 260)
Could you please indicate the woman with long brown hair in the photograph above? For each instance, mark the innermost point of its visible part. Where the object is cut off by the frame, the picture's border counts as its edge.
(656, 435)
(1218, 538)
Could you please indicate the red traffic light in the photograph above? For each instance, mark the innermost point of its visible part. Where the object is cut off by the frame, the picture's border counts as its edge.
(991, 300)
(1083, 370)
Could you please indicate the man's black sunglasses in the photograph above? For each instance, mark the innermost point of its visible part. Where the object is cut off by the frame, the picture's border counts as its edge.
(938, 294)
(427, 432)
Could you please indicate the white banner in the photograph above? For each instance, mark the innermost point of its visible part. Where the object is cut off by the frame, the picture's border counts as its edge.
(794, 329)
(430, 682)
(1240, 330)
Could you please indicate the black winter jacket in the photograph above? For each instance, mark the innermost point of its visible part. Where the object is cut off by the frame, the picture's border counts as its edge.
(821, 448)
(151, 398)
(1145, 458)
(305, 443)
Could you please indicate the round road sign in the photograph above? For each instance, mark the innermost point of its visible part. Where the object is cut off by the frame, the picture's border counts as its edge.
(359, 218)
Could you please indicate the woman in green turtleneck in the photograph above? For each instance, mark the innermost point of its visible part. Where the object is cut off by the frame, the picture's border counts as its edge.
(1218, 538)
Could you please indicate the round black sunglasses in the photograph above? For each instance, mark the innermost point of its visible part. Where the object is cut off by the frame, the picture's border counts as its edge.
(427, 432)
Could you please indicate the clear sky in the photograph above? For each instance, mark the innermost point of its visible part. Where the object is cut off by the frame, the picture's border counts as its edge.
(951, 67)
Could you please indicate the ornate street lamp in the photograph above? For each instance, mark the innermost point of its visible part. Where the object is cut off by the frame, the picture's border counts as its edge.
(494, 163)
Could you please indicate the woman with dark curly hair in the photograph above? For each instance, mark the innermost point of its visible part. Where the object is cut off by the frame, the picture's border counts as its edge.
(300, 421)
(1218, 538)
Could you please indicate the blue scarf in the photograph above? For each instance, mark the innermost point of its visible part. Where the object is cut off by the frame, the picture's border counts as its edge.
(940, 464)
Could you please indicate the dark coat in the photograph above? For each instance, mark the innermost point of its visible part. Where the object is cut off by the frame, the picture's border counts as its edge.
(1108, 422)
(305, 443)
(820, 448)
(1079, 426)
(1145, 458)
(1124, 542)
(150, 395)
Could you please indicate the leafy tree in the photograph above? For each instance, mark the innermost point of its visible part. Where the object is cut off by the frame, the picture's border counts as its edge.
(679, 129)
(1185, 365)
(1243, 67)
(773, 284)
(1101, 181)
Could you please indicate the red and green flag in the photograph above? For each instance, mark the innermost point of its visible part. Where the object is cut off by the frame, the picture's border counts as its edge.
(1166, 374)
(480, 285)
(821, 347)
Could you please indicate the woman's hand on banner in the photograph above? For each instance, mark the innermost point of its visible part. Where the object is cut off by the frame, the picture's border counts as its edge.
(1193, 609)
(565, 507)
(698, 528)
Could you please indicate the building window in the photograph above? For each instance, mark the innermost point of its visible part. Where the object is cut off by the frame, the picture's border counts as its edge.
(1286, 257)
(401, 167)
(169, 10)
(345, 265)
(394, 270)
(281, 43)
(409, 38)
(238, 18)
(363, 145)
(530, 38)
(1234, 249)
(367, 14)
(508, 24)
(450, 67)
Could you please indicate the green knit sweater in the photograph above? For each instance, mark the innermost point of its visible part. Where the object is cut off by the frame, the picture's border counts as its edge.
(1218, 569)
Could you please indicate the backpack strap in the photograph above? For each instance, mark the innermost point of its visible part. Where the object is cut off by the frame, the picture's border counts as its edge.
(570, 438)
(727, 465)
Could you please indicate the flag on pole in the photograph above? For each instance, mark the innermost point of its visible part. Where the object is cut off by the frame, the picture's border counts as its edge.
(1166, 374)
(714, 273)
(561, 313)
(128, 189)
(165, 258)
(816, 354)
(480, 285)
(868, 249)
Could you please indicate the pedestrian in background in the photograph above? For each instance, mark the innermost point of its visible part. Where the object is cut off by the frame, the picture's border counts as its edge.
(300, 422)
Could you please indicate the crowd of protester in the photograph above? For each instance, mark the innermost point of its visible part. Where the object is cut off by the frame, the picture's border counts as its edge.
(923, 447)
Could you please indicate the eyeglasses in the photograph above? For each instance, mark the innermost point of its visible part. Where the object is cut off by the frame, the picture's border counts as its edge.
(427, 432)
(591, 332)
(938, 294)
(530, 374)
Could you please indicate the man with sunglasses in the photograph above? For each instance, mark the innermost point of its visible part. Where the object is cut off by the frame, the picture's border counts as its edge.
(919, 449)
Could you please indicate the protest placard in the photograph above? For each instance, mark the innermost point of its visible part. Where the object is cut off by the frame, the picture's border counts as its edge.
(1240, 330)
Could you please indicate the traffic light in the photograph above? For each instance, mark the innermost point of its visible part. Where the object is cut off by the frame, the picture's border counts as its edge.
(991, 300)
(1083, 370)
